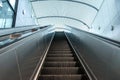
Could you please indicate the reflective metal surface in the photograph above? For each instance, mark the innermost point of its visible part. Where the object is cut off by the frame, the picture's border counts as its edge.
(19, 60)
(102, 58)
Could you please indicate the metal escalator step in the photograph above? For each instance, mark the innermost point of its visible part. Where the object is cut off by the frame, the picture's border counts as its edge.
(60, 64)
(61, 70)
(60, 49)
(62, 42)
(59, 55)
(55, 45)
(60, 52)
(60, 59)
(60, 77)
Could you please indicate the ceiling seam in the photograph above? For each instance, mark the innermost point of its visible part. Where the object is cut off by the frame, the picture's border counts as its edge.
(66, 18)
(72, 1)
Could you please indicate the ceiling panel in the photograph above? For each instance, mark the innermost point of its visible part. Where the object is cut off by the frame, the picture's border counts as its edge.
(79, 10)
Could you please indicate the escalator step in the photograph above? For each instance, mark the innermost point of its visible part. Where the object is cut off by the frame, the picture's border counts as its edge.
(55, 45)
(60, 55)
(60, 46)
(60, 64)
(60, 52)
(62, 70)
(60, 59)
(60, 77)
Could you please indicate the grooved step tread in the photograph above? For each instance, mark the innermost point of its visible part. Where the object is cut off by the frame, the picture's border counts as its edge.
(60, 77)
(61, 70)
(60, 64)
(59, 51)
(60, 55)
(60, 59)
(60, 46)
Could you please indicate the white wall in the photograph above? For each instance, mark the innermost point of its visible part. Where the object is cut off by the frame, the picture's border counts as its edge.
(108, 16)
(24, 14)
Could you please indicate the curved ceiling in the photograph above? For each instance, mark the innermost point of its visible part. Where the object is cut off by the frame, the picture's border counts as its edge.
(66, 12)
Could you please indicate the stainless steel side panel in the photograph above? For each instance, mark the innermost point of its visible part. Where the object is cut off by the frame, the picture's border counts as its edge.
(19, 60)
(101, 57)
(8, 66)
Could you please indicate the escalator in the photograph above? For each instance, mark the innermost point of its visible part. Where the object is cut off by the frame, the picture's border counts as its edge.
(61, 63)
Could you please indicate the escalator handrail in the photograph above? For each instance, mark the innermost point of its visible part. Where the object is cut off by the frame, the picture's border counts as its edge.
(105, 39)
